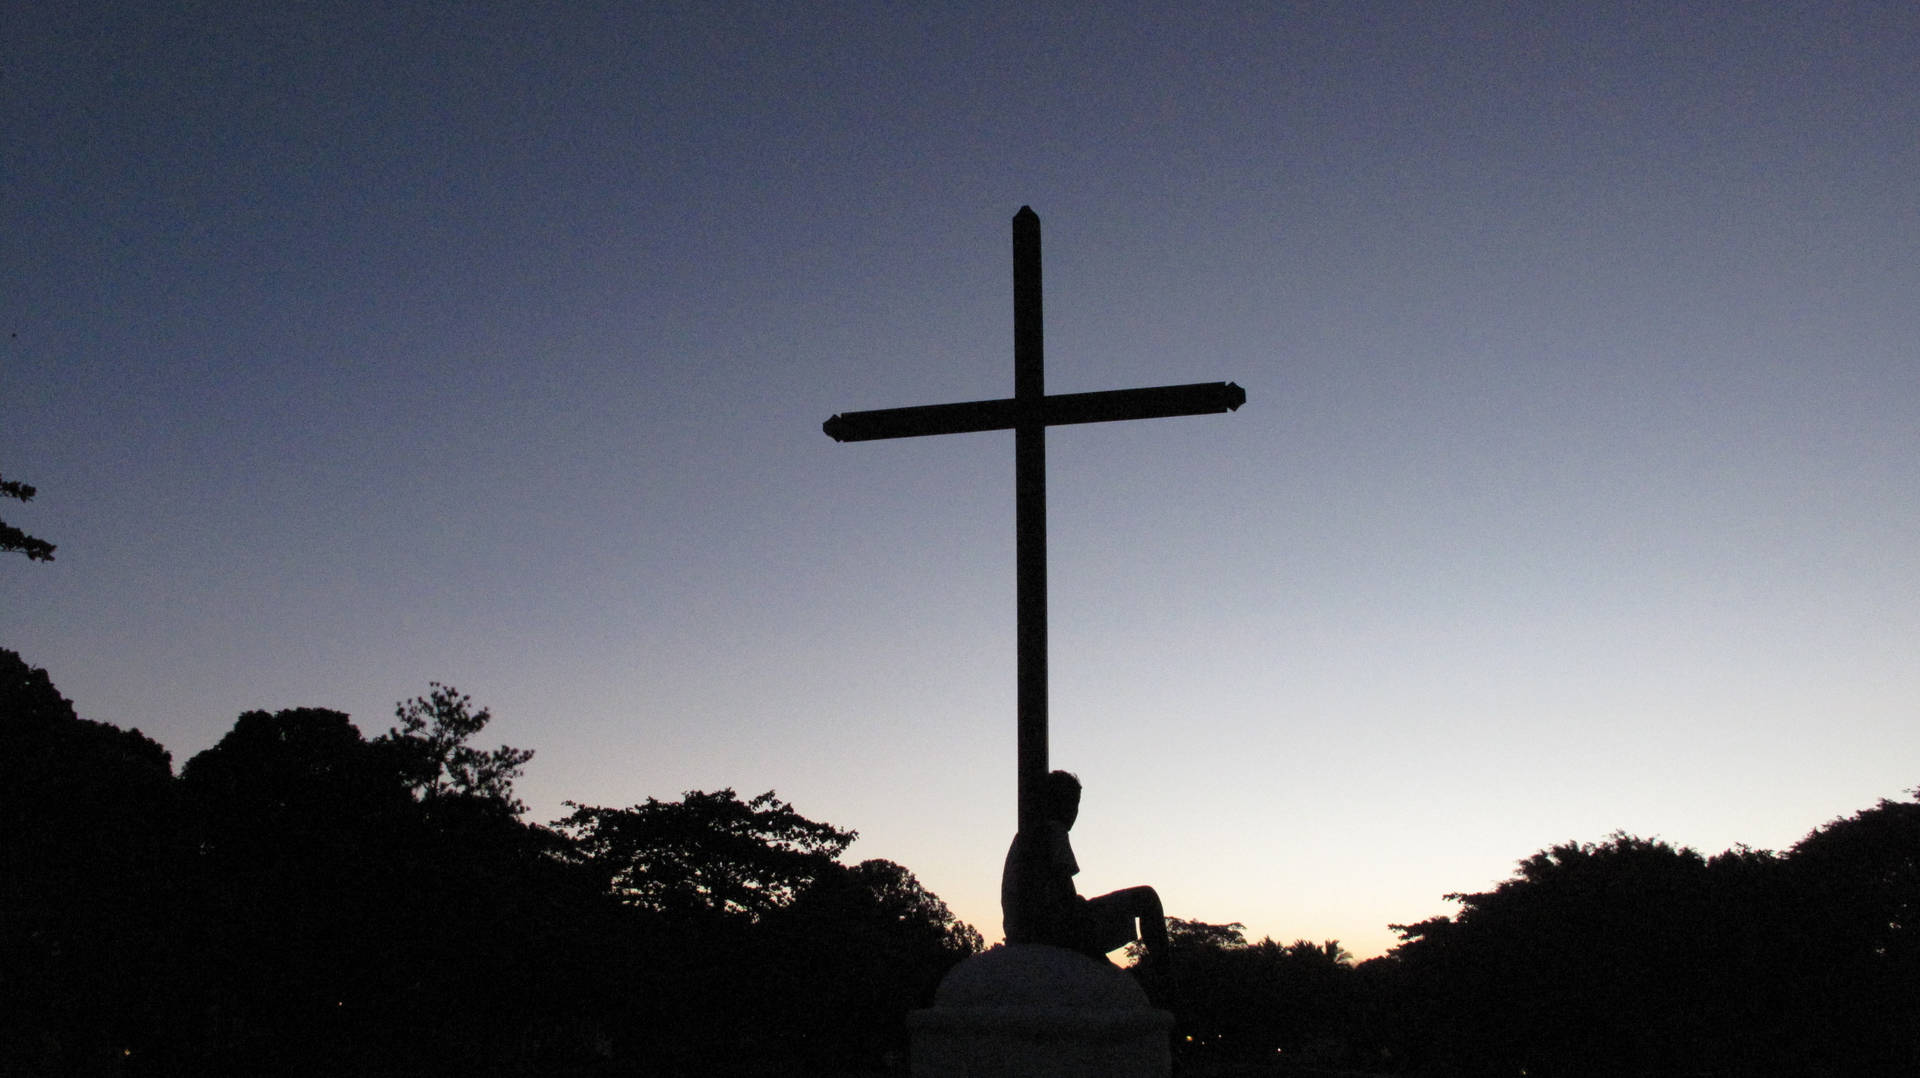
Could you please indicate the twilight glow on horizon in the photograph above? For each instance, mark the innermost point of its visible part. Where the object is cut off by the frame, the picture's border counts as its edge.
(357, 346)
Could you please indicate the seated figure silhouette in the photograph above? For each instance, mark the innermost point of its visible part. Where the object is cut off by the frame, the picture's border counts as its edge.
(1038, 903)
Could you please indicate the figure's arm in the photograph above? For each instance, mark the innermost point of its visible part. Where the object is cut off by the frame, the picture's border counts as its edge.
(1037, 889)
(1062, 855)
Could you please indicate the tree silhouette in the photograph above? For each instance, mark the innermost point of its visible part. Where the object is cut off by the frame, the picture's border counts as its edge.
(848, 958)
(1581, 963)
(363, 905)
(85, 838)
(299, 837)
(747, 939)
(1855, 884)
(1633, 956)
(302, 900)
(706, 855)
(12, 538)
(1246, 1004)
(431, 751)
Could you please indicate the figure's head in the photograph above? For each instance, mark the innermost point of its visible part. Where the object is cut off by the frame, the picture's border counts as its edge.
(1063, 796)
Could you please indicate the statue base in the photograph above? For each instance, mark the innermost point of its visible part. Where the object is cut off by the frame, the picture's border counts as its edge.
(1027, 1010)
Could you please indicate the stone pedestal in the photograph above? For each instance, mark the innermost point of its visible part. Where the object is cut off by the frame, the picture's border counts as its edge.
(1031, 1011)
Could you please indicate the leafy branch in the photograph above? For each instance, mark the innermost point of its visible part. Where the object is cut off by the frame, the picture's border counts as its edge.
(12, 538)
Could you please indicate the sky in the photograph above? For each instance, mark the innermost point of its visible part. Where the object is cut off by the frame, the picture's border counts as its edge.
(358, 346)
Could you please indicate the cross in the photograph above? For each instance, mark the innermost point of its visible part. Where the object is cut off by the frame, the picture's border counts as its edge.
(1029, 412)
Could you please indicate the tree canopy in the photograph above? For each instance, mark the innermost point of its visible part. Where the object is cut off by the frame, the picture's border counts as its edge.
(303, 900)
(429, 747)
(706, 854)
(1634, 956)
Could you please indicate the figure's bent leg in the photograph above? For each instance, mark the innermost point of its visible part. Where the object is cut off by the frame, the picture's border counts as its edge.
(1112, 919)
(1153, 924)
(1116, 915)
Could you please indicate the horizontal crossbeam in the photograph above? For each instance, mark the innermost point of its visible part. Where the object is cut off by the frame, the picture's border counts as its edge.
(1060, 409)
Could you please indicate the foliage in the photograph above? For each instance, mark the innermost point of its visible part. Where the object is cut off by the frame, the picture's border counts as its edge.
(1195, 937)
(1854, 887)
(708, 854)
(301, 900)
(431, 751)
(880, 905)
(848, 957)
(1573, 959)
(295, 833)
(899, 901)
(1633, 956)
(85, 822)
(12, 538)
(291, 771)
(753, 941)
(1253, 1004)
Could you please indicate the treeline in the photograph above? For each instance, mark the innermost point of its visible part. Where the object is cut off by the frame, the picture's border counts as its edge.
(301, 899)
(1623, 957)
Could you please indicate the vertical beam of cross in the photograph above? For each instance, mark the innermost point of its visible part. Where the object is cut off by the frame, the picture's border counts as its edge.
(1029, 412)
(1030, 518)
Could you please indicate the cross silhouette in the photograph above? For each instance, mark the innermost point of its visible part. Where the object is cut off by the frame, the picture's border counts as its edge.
(1029, 412)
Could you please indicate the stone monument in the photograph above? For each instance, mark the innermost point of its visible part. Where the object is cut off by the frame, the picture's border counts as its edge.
(1026, 1009)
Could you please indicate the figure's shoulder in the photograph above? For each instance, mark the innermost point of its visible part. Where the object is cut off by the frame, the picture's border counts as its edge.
(1048, 844)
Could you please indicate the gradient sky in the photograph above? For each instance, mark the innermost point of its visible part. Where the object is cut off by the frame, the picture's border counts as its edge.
(354, 346)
